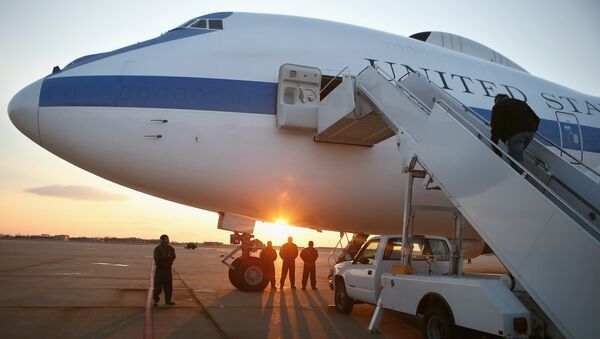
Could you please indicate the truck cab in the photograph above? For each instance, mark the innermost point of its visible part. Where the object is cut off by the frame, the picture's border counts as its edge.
(429, 285)
(430, 255)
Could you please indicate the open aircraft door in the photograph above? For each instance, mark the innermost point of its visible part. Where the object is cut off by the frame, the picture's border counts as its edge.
(570, 135)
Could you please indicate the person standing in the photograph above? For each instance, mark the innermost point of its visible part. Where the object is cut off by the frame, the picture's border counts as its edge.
(164, 255)
(288, 252)
(269, 255)
(515, 123)
(309, 255)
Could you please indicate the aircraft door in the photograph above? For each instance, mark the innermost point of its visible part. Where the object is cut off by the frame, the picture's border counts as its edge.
(571, 140)
(361, 280)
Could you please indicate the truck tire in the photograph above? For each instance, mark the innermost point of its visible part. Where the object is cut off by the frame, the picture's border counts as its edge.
(343, 303)
(250, 274)
(437, 324)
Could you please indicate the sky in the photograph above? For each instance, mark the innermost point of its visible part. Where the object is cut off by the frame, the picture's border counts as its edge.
(40, 193)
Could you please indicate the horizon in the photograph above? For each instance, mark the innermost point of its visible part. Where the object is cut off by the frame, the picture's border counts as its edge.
(75, 238)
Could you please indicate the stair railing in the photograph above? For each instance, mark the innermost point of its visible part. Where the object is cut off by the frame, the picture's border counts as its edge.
(332, 258)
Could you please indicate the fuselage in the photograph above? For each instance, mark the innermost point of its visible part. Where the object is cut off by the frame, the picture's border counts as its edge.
(190, 117)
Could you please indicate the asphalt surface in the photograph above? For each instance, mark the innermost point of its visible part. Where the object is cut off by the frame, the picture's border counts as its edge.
(56, 289)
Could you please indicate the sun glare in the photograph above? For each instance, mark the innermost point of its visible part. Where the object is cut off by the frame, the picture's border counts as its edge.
(279, 231)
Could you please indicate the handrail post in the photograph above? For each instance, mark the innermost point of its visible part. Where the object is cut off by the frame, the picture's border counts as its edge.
(335, 77)
(405, 221)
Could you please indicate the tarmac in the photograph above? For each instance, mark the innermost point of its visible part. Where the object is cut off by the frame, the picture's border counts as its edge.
(96, 290)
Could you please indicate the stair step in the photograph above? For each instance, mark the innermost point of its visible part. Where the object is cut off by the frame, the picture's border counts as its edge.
(366, 131)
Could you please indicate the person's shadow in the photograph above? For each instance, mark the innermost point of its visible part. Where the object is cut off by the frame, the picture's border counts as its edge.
(277, 313)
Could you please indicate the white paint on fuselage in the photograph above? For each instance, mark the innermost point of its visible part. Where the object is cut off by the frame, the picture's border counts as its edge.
(240, 162)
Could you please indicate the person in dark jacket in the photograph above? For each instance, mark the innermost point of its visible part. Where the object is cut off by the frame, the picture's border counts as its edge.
(164, 255)
(288, 252)
(269, 255)
(515, 123)
(309, 255)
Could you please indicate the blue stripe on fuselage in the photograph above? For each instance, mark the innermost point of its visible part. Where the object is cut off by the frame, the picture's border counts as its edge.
(209, 94)
(161, 92)
(550, 129)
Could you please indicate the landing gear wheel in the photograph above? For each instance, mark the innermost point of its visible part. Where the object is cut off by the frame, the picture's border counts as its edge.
(250, 274)
(343, 303)
(232, 275)
(437, 324)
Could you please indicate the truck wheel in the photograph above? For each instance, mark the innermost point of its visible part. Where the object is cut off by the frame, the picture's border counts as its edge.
(437, 324)
(343, 303)
(250, 274)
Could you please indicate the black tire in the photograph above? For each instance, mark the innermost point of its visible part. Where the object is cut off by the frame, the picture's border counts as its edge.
(250, 274)
(232, 274)
(437, 324)
(343, 303)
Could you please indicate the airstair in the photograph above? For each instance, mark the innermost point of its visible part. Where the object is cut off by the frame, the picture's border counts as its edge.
(346, 248)
(542, 224)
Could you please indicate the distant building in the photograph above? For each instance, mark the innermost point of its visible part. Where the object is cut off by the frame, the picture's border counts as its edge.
(62, 237)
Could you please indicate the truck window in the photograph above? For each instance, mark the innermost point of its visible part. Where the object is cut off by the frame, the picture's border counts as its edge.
(423, 248)
(439, 248)
(418, 247)
(367, 254)
(393, 250)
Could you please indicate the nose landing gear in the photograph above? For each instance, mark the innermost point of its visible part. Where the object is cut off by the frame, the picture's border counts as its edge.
(246, 273)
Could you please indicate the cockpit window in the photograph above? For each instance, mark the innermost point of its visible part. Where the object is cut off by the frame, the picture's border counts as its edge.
(203, 24)
(199, 24)
(215, 24)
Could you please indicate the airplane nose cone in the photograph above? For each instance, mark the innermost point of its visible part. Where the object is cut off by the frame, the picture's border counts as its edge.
(23, 110)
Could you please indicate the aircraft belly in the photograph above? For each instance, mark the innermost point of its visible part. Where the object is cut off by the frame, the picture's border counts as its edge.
(241, 163)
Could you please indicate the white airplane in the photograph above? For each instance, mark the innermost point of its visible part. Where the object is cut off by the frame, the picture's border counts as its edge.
(190, 116)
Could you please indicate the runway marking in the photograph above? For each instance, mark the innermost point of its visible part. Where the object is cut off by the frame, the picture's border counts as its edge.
(205, 290)
(70, 273)
(200, 305)
(148, 320)
(109, 264)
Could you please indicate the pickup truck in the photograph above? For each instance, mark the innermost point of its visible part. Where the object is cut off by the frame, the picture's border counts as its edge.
(480, 302)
